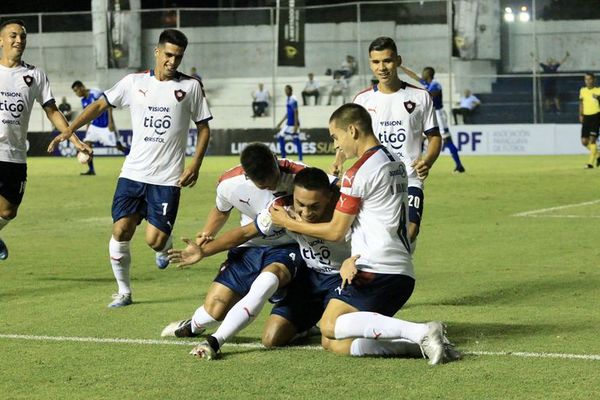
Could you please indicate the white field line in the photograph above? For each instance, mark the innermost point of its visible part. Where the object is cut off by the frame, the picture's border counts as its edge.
(256, 345)
(544, 210)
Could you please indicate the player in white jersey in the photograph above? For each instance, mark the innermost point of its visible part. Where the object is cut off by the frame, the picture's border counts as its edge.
(162, 101)
(403, 116)
(379, 278)
(20, 85)
(259, 267)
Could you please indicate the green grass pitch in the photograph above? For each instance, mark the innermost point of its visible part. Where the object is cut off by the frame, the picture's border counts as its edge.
(508, 257)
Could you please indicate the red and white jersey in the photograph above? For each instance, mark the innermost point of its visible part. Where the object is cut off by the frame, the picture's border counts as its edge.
(236, 190)
(161, 112)
(375, 189)
(321, 255)
(19, 87)
(400, 121)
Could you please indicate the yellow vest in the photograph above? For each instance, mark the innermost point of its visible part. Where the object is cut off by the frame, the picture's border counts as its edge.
(591, 105)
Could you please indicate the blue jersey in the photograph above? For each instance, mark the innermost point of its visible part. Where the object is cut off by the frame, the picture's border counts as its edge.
(95, 94)
(434, 86)
(291, 106)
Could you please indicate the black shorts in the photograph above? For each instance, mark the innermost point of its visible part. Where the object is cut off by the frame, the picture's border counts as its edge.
(590, 125)
(13, 177)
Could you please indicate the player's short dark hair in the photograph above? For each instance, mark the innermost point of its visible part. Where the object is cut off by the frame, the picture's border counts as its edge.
(383, 43)
(352, 113)
(430, 70)
(258, 161)
(76, 84)
(173, 36)
(591, 74)
(12, 21)
(312, 179)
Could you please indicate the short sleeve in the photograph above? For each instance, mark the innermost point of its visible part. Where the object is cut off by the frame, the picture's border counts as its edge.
(222, 201)
(120, 94)
(199, 105)
(44, 95)
(429, 121)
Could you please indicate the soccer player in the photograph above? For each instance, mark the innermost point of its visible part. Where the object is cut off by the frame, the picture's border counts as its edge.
(292, 124)
(256, 269)
(589, 116)
(162, 101)
(435, 90)
(20, 85)
(101, 129)
(379, 278)
(402, 115)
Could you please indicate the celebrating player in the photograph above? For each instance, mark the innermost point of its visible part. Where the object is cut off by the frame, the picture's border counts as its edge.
(20, 85)
(401, 115)
(379, 277)
(161, 101)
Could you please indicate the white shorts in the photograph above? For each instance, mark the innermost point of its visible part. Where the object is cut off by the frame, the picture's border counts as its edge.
(442, 123)
(101, 135)
(287, 130)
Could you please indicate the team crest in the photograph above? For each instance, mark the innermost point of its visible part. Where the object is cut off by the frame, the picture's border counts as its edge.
(410, 106)
(28, 79)
(179, 95)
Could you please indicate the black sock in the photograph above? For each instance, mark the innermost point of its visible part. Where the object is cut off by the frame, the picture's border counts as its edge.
(213, 342)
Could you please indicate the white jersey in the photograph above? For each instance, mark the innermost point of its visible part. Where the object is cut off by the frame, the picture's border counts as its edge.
(400, 121)
(235, 190)
(160, 116)
(321, 255)
(374, 189)
(19, 87)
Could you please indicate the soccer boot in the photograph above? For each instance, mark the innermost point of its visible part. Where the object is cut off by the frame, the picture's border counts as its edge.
(89, 173)
(180, 329)
(205, 350)
(120, 300)
(3, 250)
(432, 344)
(162, 260)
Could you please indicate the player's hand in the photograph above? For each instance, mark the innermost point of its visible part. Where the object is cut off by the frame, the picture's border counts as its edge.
(203, 237)
(422, 168)
(188, 177)
(336, 169)
(188, 256)
(348, 270)
(279, 215)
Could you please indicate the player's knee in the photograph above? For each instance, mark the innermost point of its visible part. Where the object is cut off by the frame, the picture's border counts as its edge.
(327, 326)
(155, 243)
(216, 307)
(9, 213)
(280, 271)
(326, 343)
(272, 338)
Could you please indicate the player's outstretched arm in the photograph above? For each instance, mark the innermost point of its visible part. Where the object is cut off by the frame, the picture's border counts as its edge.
(411, 73)
(190, 174)
(215, 220)
(334, 230)
(58, 119)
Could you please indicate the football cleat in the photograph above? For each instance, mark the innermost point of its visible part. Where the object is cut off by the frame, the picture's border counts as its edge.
(90, 172)
(162, 260)
(180, 329)
(450, 352)
(120, 300)
(3, 250)
(459, 170)
(432, 344)
(588, 166)
(204, 350)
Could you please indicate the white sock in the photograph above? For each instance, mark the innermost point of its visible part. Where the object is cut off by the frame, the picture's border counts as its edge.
(202, 320)
(398, 347)
(168, 246)
(3, 222)
(246, 310)
(120, 260)
(371, 325)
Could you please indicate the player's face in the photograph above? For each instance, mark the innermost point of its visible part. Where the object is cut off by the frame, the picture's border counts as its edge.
(13, 40)
(384, 65)
(589, 81)
(79, 91)
(310, 205)
(343, 140)
(288, 91)
(168, 58)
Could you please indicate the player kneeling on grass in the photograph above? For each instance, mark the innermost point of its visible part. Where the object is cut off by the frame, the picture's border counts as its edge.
(379, 279)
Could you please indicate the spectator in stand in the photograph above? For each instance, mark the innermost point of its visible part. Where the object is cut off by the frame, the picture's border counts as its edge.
(338, 88)
(468, 104)
(310, 89)
(194, 74)
(551, 95)
(65, 109)
(260, 102)
(348, 69)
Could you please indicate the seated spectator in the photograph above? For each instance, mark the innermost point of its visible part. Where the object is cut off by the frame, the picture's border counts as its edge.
(468, 104)
(348, 68)
(338, 88)
(260, 101)
(194, 73)
(65, 109)
(310, 89)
